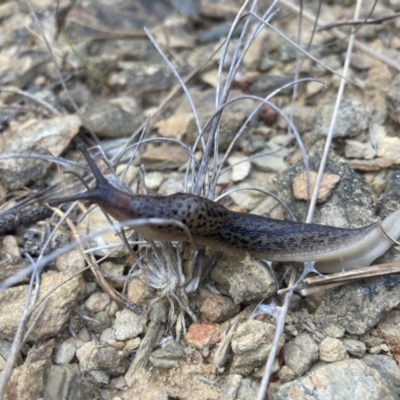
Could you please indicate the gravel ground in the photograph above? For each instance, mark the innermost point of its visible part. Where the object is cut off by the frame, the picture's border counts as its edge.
(112, 322)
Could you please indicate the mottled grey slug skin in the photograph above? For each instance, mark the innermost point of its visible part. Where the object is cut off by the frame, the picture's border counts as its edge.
(211, 224)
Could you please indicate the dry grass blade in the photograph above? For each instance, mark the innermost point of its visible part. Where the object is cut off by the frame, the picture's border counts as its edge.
(163, 104)
(33, 98)
(280, 325)
(182, 83)
(18, 340)
(283, 314)
(316, 284)
(306, 53)
(329, 138)
(262, 101)
(343, 36)
(53, 57)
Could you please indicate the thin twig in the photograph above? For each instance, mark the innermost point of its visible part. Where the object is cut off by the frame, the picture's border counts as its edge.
(358, 22)
(174, 71)
(60, 77)
(329, 138)
(18, 340)
(310, 56)
(280, 325)
(341, 35)
(35, 99)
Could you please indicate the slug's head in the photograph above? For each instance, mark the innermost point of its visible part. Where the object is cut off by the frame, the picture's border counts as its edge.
(112, 200)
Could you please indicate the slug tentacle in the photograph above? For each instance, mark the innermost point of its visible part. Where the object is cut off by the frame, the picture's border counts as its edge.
(112, 200)
(100, 178)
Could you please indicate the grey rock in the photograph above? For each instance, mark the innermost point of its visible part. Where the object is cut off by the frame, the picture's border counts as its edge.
(98, 301)
(303, 117)
(218, 308)
(349, 205)
(139, 291)
(266, 63)
(142, 76)
(99, 358)
(391, 197)
(113, 270)
(41, 351)
(158, 311)
(357, 149)
(229, 126)
(331, 60)
(57, 312)
(231, 386)
(245, 279)
(110, 360)
(358, 307)
(165, 156)
(389, 327)
(65, 352)
(45, 95)
(270, 162)
(51, 135)
(10, 266)
(80, 95)
(247, 390)
(251, 345)
(75, 262)
(266, 84)
(360, 62)
(300, 353)
(24, 69)
(286, 374)
(287, 52)
(64, 382)
(390, 203)
(393, 104)
(187, 8)
(100, 322)
(355, 347)
(137, 50)
(353, 119)
(87, 355)
(169, 356)
(216, 33)
(90, 288)
(115, 118)
(387, 367)
(128, 325)
(343, 380)
(371, 340)
(5, 347)
(331, 349)
(238, 388)
(395, 5)
(174, 184)
(107, 337)
(27, 381)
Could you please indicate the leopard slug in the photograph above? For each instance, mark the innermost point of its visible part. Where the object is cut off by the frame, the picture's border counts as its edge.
(213, 225)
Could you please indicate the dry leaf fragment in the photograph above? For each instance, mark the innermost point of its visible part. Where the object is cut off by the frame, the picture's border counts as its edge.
(329, 181)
